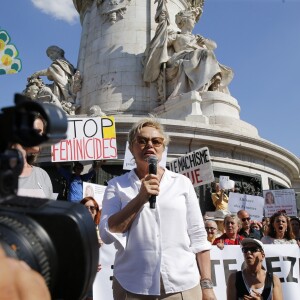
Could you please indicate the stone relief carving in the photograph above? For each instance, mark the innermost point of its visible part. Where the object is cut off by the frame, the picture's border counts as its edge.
(181, 62)
(95, 111)
(36, 90)
(66, 82)
(114, 10)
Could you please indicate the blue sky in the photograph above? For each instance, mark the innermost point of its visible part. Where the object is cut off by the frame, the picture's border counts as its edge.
(258, 39)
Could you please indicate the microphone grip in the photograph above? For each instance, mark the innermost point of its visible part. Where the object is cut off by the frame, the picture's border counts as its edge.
(152, 170)
(152, 201)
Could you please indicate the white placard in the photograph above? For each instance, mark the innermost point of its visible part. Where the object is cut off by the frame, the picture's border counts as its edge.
(225, 183)
(254, 205)
(94, 190)
(196, 166)
(87, 139)
(282, 260)
(276, 200)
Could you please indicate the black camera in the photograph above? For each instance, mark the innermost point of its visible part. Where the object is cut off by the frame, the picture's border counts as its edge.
(56, 238)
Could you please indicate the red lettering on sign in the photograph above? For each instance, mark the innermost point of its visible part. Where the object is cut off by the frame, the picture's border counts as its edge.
(194, 176)
(84, 149)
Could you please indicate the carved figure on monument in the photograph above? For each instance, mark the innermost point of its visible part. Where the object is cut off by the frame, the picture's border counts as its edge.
(95, 111)
(113, 9)
(181, 62)
(36, 90)
(66, 80)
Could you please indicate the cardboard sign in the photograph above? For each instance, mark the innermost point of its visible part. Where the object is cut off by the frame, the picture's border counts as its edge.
(276, 200)
(87, 139)
(94, 190)
(196, 166)
(225, 183)
(254, 205)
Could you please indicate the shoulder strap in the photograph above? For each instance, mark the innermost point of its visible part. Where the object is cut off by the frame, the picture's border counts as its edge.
(268, 286)
(240, 286)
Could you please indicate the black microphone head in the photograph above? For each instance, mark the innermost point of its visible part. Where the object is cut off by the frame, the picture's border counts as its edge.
(152, 159)
(152, 162)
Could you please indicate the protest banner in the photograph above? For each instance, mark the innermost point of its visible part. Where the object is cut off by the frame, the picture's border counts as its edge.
(254, 205)
(225, 183)
(94, 190)
(87, 139)
(196, 166)
(281, 260)
(276, 200)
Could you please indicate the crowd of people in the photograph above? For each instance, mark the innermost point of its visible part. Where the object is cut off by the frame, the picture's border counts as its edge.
(178, 236)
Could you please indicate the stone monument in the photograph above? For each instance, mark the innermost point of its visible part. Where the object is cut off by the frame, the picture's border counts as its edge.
(66, 82)
(141, 57)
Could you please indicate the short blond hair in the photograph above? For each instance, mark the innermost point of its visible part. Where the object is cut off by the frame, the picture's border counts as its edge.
(147, 122)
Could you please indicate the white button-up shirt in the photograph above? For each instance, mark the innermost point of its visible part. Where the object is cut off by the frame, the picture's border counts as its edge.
(161, 241)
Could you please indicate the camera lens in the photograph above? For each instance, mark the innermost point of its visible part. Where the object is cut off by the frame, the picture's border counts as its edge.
(23, 238)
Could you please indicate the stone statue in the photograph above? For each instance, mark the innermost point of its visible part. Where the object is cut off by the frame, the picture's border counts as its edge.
(36, 90)
(66, 81)
(95, 111)
(186, 61)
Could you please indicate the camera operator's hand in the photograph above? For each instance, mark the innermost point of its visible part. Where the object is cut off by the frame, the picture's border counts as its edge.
(19, 282)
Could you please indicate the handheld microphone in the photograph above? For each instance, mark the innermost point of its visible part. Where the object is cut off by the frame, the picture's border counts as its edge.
(152, 162)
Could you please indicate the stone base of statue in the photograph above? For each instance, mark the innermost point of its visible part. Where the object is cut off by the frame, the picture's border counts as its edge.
(185, 107)
(223, 110)
(220, 104)
(211, 108)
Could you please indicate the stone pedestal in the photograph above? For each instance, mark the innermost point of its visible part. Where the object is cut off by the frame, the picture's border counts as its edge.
(223, 110)
(185, 107)
(219, 104)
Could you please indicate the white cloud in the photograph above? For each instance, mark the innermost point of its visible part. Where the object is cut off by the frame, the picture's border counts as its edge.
(59, 9)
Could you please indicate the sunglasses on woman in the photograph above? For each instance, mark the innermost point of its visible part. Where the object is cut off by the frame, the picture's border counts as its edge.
(92, 209)
(156, 141)
(251, 249)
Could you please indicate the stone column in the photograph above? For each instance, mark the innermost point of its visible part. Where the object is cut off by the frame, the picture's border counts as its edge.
(114, 38)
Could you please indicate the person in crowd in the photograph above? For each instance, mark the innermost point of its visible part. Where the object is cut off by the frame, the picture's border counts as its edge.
(269, 198)
(231, 236)
(219, 216)
(256, 225)
(295, 225)
(75, 180)
(219, 198)
(34, 181)
(279, 231)
(19, 281)
(265, 225)
(253, 282)
(92, 205)
(246, 230)
(150, 240)
(211, 229)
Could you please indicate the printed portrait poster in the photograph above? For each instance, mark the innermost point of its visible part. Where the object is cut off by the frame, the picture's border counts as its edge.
(94, 190)
(276, 200)
(254, 205)
(87, 139)
(196, 166)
